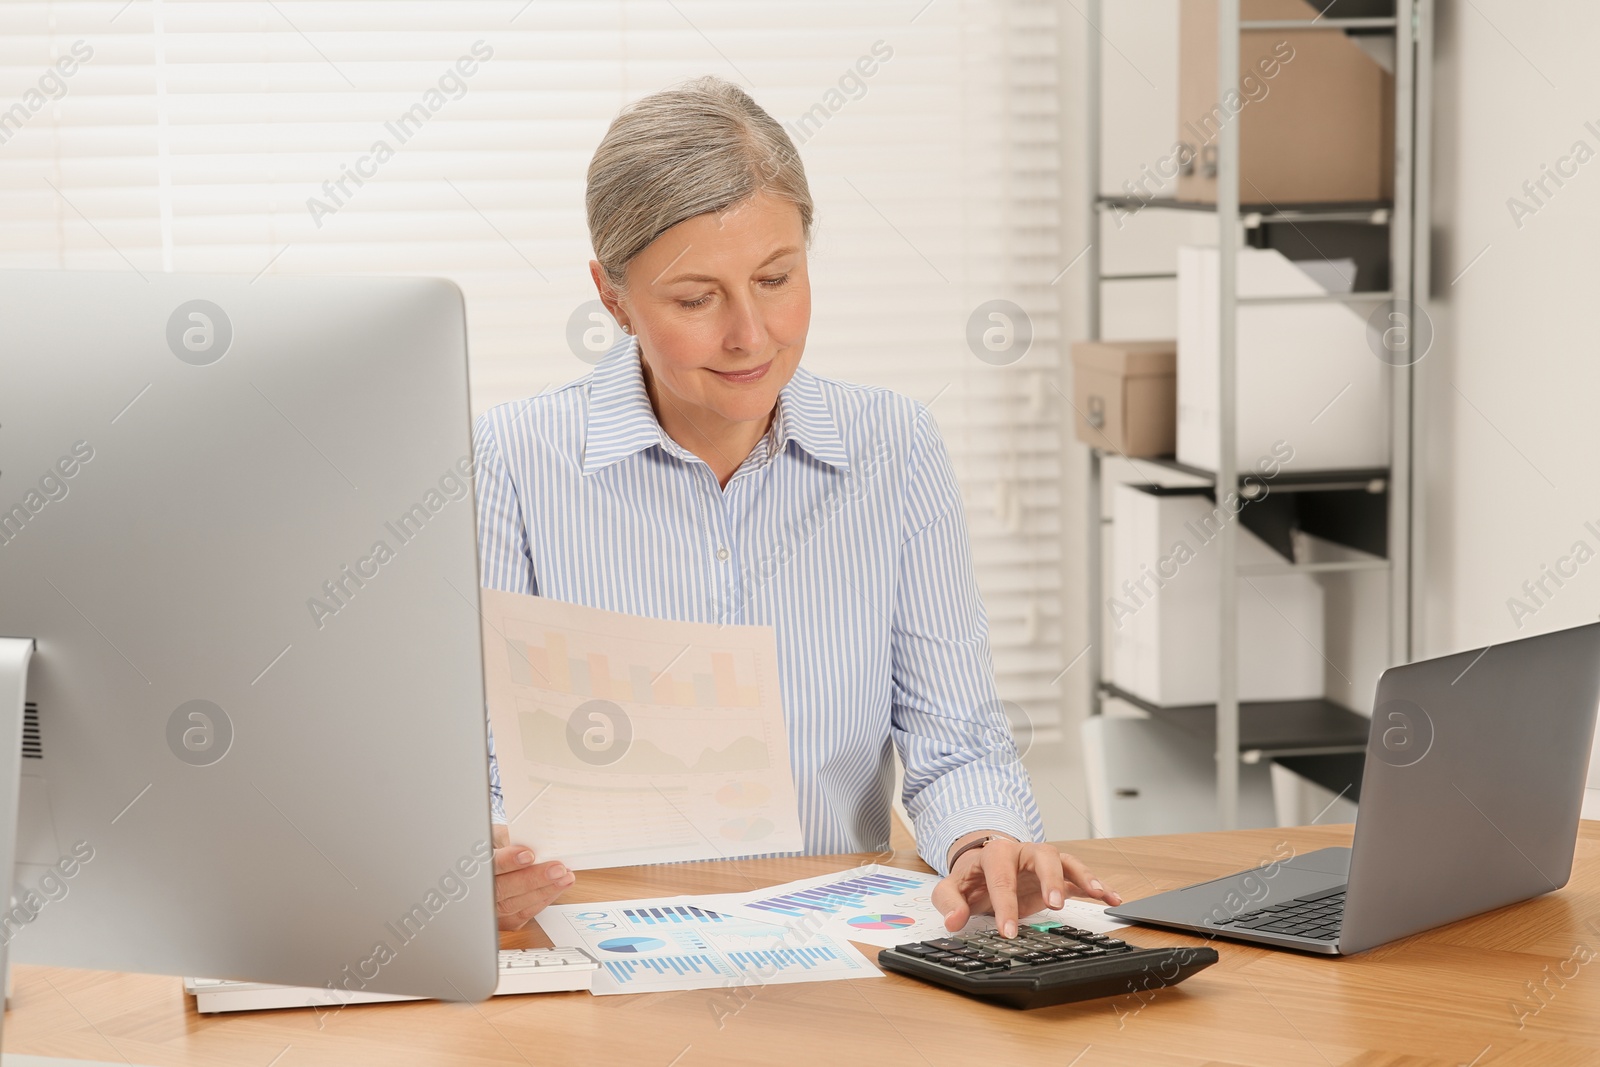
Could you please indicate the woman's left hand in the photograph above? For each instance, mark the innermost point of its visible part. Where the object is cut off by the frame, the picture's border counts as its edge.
(1011, 879)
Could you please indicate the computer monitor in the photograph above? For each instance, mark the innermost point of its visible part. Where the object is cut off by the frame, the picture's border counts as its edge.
(237, 536)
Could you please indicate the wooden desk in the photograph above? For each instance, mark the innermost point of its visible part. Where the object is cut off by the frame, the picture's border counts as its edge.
(1450, 997)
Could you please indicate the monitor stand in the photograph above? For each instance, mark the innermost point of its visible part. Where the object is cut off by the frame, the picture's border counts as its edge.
(15, 652)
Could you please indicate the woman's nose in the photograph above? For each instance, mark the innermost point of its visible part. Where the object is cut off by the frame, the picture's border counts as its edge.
(745, 329)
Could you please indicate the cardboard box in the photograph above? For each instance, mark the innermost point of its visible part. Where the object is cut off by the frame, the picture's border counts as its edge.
(1315, 111)
(1126, 395)
(1162, 605)
(1309, 384)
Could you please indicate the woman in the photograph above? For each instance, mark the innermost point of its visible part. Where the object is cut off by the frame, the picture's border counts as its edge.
(700, 473)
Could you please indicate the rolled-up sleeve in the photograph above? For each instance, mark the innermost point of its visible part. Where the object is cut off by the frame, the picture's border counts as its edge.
(502, 550)
(962, 771)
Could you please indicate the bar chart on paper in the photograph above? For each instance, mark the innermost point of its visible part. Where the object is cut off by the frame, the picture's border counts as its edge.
(687, 943)
(674, 914)
(873, 904)
(629, 972)
(625, 740)
(837, 895)
(645, 672)
(766, 961)
(885, 906)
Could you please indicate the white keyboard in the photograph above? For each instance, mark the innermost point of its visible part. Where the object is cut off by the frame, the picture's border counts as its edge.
(522, 970)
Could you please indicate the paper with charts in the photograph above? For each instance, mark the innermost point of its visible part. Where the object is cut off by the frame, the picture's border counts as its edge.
(625, 740)
(650, 946)
(886, 906)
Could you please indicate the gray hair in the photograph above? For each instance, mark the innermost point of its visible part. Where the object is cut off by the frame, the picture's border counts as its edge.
(682, 152)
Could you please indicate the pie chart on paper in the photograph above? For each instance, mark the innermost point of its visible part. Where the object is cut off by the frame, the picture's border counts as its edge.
(881, 922)
(632, 944)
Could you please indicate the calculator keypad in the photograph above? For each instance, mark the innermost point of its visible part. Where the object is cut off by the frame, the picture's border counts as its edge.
(1036, 944)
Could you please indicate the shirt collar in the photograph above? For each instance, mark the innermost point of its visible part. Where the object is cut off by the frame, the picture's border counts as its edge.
(621, 422)
(804, 418)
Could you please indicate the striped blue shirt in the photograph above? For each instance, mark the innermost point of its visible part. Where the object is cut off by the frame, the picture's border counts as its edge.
(843, 529)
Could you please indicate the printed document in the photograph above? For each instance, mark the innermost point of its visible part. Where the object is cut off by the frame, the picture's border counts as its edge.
(624, 740)
(651, 946)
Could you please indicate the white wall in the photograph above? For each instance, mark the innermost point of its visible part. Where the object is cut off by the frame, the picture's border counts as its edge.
(1512, 386)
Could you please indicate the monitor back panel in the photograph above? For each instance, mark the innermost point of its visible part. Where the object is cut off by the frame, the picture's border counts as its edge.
(238, 520)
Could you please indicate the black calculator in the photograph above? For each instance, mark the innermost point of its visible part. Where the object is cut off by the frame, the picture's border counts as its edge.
(1046, 963)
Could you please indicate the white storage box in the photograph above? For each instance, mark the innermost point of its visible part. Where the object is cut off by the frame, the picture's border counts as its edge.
(1162, 606)
(1306, 375)
(1144, 776)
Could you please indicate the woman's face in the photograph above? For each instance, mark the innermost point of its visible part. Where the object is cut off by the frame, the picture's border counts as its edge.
(721, 304)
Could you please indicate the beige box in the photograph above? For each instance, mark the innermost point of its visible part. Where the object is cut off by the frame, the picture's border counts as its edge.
(1126, 393)
(1315, 111)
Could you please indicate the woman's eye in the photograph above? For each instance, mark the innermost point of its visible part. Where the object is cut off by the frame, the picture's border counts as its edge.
(701, 301)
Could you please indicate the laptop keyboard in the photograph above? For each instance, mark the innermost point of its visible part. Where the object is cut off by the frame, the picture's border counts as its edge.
(1315, 915)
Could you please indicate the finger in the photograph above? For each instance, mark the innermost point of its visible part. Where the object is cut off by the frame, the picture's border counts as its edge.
(1046, 864)
(530, 906)
(514, 892)
(1000, 873)
(526, 880)
(952, 905)
(1087, 884)
(500, 835)
(512, 858)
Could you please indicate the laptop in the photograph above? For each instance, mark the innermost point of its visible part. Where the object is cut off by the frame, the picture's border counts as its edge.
(1470, 800)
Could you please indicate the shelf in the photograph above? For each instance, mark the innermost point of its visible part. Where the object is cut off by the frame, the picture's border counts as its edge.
(1376, 296)
(1345, 25)
(1366, 511)
(1370, 212)
(1338, 773)
(1341, 566)
(1267, 728)
(1369, 479)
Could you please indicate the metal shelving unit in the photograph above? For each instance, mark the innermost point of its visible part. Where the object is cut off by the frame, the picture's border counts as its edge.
(1319, 735)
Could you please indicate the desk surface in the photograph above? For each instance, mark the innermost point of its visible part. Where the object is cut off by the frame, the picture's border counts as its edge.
(1454, 996)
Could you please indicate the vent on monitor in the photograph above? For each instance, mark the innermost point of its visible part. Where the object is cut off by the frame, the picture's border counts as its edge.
(32, 744)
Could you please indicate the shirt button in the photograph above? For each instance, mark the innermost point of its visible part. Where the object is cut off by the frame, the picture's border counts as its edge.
(722, 553)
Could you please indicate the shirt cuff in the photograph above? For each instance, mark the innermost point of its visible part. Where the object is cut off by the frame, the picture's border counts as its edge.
(934, 838)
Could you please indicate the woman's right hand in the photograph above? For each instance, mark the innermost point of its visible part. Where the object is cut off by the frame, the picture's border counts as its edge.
(522, 886)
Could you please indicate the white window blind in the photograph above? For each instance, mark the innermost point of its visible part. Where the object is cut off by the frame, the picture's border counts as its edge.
(161, 135)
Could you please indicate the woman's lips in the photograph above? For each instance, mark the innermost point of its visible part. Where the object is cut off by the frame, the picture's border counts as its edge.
(754, 374)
